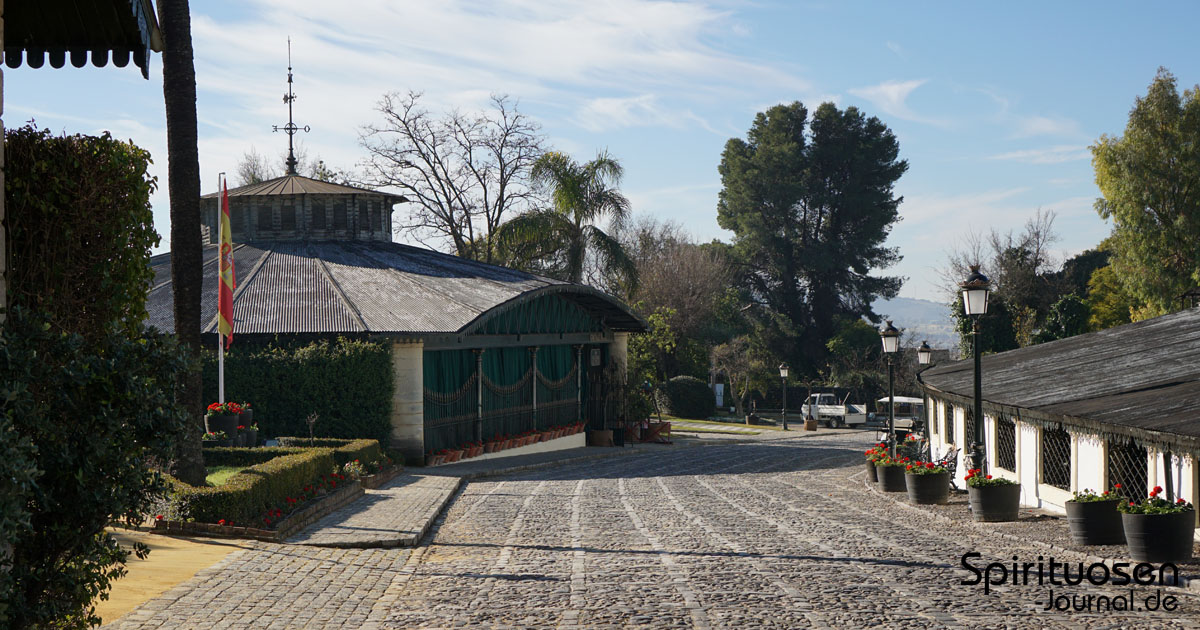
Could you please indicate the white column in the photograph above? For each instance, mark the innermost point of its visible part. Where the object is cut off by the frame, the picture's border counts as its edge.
(620, 352)
(408, 399)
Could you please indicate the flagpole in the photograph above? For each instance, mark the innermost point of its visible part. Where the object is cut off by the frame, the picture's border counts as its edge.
(220, 341)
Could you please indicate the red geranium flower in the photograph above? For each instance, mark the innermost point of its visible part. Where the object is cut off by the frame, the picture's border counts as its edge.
(989, 476)
(158, 517)
(221, 522)
(1117, 485)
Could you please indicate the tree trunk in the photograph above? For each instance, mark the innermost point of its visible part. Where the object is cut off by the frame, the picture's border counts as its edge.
(183, 188)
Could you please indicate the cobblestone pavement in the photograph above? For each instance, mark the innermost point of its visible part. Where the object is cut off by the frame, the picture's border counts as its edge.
(396, 514)
(765, 534)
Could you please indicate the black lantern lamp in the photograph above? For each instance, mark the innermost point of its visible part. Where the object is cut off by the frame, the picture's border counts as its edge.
(975, 291)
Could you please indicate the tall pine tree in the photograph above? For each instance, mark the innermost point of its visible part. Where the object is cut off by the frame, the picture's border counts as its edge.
(810, 204)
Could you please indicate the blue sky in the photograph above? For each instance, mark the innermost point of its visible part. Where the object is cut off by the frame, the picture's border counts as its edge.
(994, 105)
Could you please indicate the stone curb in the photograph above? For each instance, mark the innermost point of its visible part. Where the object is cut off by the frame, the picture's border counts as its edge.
(1188, 583)
(409, 540)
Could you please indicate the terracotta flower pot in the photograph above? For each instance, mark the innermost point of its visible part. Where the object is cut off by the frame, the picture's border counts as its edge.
(1095, 522)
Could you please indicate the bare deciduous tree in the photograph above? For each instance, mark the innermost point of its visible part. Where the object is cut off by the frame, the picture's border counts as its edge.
(462, 172)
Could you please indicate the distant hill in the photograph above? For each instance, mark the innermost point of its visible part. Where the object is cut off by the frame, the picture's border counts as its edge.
(925, 319)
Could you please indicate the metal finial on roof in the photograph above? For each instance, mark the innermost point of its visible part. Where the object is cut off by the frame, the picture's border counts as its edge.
(290, 128)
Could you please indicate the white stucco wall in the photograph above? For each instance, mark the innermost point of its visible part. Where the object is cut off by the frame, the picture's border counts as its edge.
(408, 399)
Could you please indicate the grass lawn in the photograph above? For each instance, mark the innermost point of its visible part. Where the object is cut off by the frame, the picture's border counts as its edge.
(218, 474)
(718, 424)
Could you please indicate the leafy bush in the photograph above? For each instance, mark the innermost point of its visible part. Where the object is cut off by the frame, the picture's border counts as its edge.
(347, 383)
(343, 450)
(251, 492)
(80, 229)
(687, 397)
(97, 412)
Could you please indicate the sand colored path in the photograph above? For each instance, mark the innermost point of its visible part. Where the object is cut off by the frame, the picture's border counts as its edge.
(171, 561)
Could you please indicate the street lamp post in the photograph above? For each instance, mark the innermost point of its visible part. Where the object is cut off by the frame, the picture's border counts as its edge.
(783, 375)
(924, 357)
(891, 343)
(975, 299)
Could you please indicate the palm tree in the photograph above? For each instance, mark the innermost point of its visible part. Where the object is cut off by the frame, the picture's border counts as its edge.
(581, 194)
(183, 188)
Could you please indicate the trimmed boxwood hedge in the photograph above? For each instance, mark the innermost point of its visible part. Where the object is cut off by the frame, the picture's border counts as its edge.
(687, 397)
(343, 450)
(273, 474)
(246, 495)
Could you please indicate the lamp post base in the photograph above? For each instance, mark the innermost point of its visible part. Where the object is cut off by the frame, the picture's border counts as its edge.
(977, 456)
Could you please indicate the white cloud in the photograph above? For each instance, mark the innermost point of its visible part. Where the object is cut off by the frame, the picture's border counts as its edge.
(898, 50)
(1051, 155)
(1044, 126)
(891, 97)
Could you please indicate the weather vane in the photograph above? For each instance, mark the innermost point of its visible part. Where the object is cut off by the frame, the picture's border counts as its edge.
(290, 128)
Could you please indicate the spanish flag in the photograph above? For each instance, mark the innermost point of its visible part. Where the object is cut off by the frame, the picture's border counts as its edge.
(227, 284)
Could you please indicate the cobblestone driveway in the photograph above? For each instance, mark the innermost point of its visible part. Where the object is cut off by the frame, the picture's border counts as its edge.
(773, 534)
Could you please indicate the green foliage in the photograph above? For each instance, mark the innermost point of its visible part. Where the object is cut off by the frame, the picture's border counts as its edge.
(97, 412)
(646, 350)
(1076, 272)
(251, 492)
(348, 383)
(810, 208)
(687, 397)
(1068, 317)
(343, 450)
(1150, 179)
(997, 332)
(559, 239)
(80, 229)
(1109, 304)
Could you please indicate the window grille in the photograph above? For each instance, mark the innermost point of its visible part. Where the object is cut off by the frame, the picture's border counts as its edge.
(362, 219)
(1127, 465)
(1006, 444)
(948, 420)
(1056, 458)
(318, 215)
(969, 427)
(264, 217)
(373, 224)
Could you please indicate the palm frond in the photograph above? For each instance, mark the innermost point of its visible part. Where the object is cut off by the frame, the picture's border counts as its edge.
(612, 255)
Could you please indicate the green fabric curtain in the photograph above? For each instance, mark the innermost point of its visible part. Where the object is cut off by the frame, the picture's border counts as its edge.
(447, 370)
(505, 366)
(555, 362)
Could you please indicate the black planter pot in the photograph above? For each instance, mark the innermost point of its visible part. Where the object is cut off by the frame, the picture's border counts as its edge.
(223, 422)
(226, 442)
(251, 439)
(891, 478)
(247, 417)
(1095, 522)
(928, 489)
(1159, 537)
(995, 503)
(872, 476)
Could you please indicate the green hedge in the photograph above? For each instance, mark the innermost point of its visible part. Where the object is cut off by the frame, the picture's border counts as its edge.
(343, 450)
(687, 397)
(244, 497)
(347, 383)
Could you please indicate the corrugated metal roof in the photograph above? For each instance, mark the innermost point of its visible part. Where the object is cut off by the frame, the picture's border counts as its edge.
(300, 185)
(1142, 375)
(338, 287)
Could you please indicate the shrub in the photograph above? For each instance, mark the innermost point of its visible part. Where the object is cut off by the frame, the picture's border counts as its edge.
(80, 229)
(251, 492)
(96, 412)
(687, 397)
(343, 450)
(348, 383)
